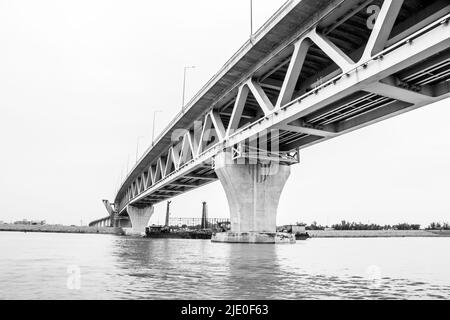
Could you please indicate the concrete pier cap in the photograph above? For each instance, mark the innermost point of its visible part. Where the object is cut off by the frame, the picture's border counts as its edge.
(139, 218)
(253, 189)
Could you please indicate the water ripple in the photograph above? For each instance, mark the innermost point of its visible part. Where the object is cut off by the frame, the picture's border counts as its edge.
(35, 267)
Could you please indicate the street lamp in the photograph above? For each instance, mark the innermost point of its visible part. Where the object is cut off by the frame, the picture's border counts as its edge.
(251, 19)
(184, 85)
(153, 129)
(137, 146)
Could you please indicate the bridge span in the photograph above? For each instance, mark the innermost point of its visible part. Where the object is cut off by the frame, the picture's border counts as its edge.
(316, 70)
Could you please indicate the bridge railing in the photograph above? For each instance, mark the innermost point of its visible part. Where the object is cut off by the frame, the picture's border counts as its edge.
(196, 223)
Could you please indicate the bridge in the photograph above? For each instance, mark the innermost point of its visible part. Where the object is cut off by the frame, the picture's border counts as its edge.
(314, 71)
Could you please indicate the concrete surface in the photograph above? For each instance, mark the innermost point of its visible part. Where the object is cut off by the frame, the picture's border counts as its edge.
(139, 218)
(253, 192)
(254, 237)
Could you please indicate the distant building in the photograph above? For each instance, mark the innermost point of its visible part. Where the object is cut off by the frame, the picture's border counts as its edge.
(31, 222)
(38, 222)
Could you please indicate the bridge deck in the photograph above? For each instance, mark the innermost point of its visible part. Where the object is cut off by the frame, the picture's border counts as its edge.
(332, 104)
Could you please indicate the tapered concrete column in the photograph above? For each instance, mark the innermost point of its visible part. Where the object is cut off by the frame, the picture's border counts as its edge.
(111, 212)
(122, 222)
(139, 218)
(253, 192)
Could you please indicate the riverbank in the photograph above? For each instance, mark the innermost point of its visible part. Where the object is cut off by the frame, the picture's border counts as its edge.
(378, 233)
(59, 229)
(325, 234)
(190, 235)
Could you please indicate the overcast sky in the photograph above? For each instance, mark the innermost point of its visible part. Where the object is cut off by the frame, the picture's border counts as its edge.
(80, 80)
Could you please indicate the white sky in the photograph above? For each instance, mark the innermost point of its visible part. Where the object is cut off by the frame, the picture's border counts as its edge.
(79, 81)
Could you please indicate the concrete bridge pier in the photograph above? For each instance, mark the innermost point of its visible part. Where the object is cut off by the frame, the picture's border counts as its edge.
(122, 222)
(253, 191)
(139, 218)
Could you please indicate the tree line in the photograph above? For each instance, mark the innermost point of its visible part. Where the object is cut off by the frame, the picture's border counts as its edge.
(345, 225)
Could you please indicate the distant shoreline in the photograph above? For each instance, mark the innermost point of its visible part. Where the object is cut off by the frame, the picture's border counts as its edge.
(59, 229)
(312, 233)
(378, 233)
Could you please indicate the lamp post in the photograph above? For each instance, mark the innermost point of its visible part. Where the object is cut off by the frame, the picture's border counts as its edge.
(251, 19)
(153, 128)
(137, 147)
(184, 85)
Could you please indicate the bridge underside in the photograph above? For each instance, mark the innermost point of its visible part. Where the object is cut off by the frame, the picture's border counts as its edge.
(346, 67)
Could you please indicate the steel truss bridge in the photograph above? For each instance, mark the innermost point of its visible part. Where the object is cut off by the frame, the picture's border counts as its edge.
(316, 70)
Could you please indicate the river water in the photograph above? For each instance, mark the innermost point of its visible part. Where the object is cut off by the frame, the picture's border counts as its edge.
(83, 266)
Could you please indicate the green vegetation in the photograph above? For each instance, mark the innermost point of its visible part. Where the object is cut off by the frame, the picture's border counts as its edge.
(313, 226)
(344, 225)
(438, 226)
